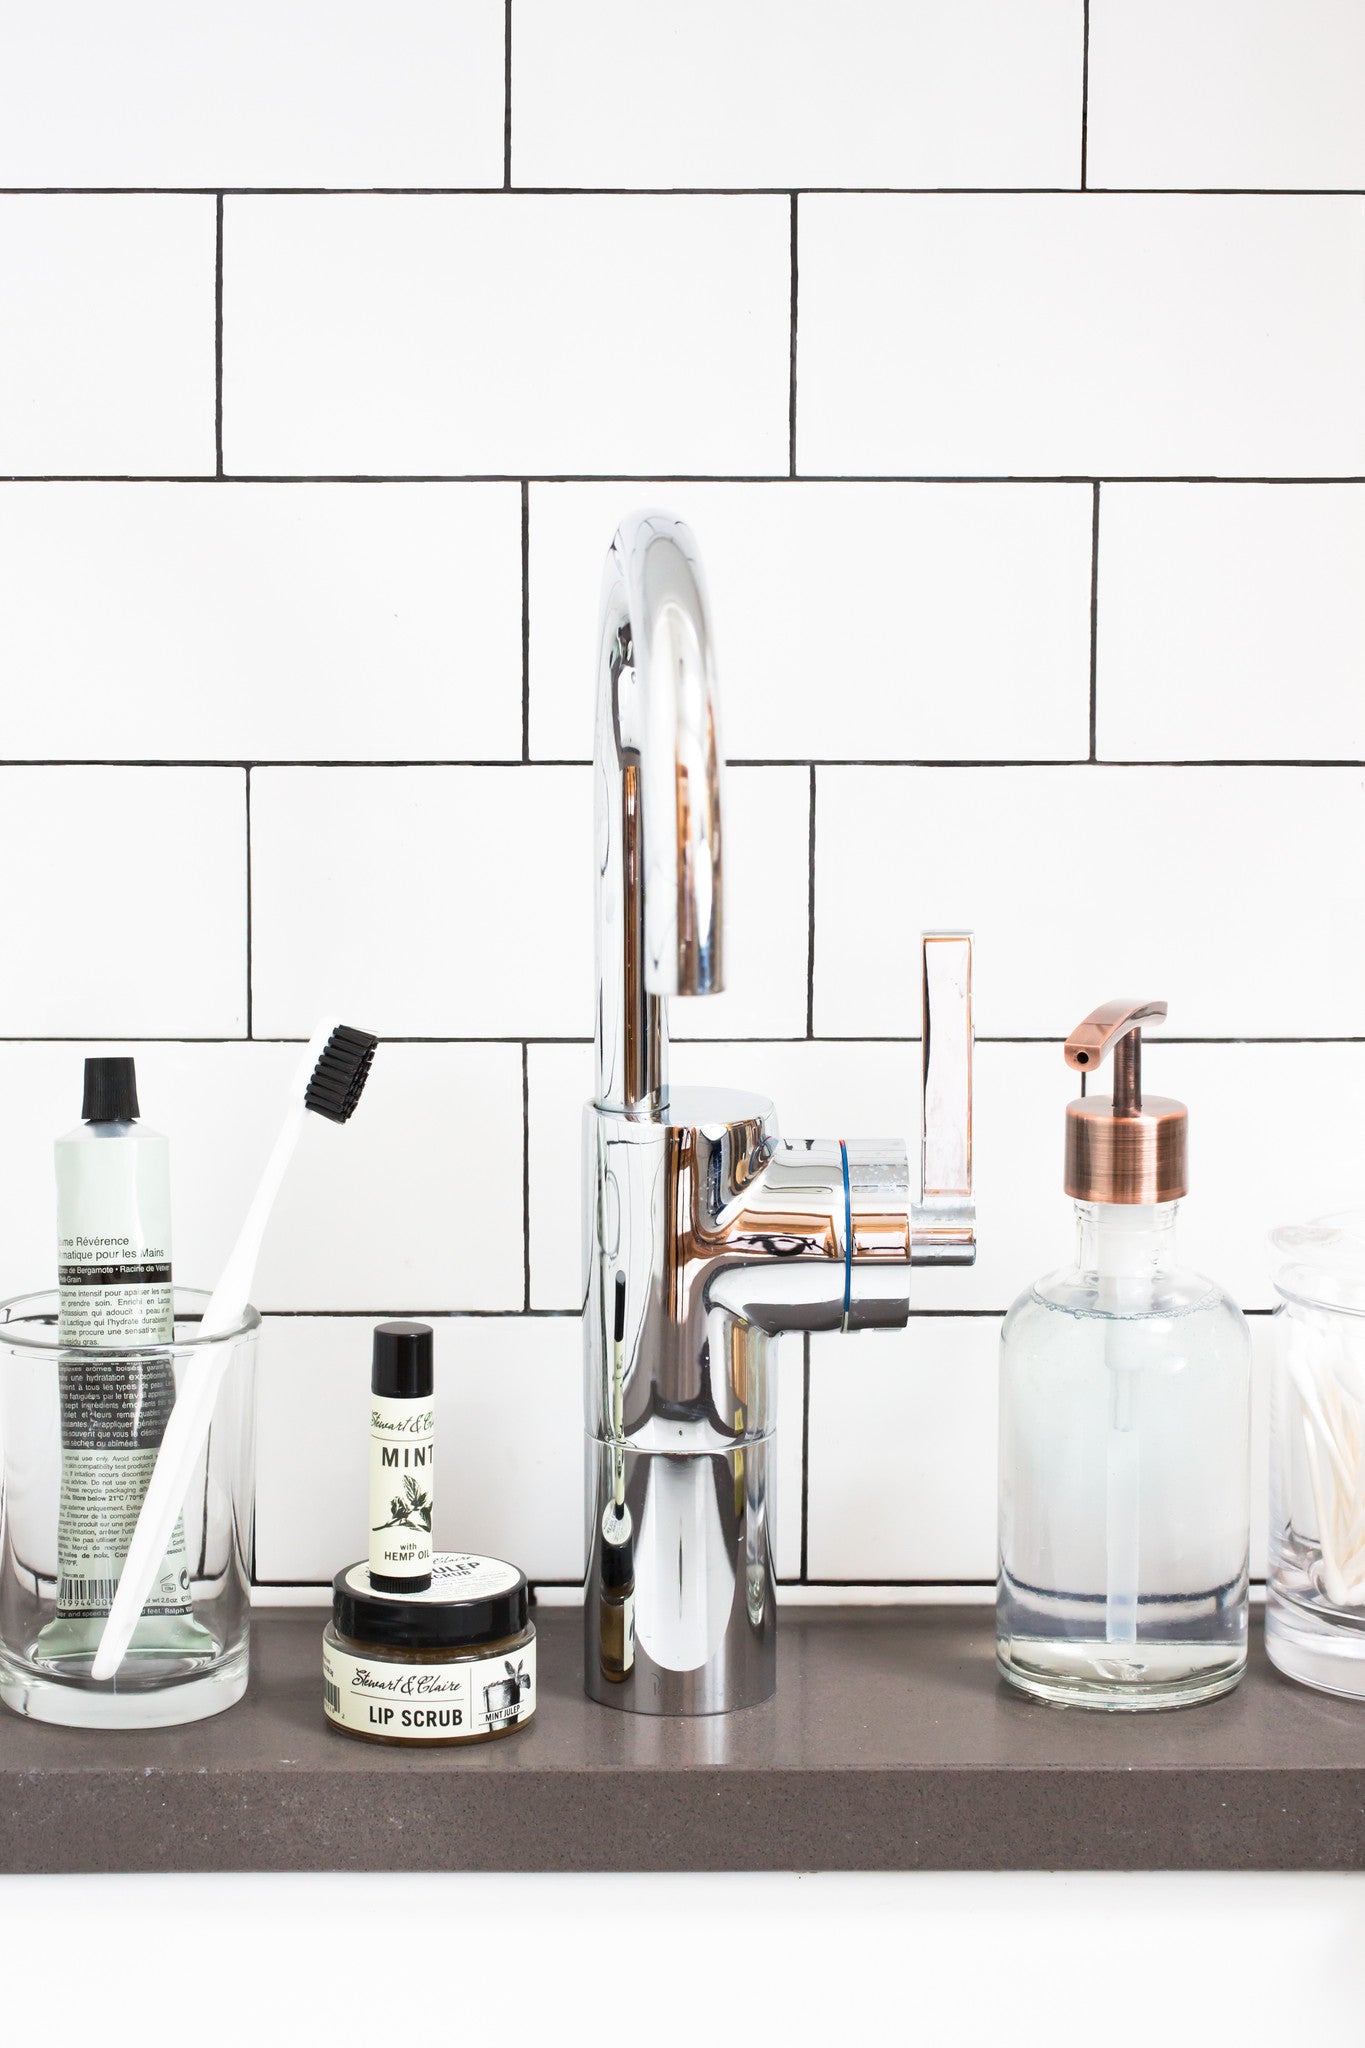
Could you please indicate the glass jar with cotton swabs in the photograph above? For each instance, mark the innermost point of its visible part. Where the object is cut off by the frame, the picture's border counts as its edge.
(1315, 1588)
(1124, 1424)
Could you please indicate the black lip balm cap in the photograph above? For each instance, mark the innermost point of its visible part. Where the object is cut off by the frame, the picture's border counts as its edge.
(401, 1369)
(110, 1092)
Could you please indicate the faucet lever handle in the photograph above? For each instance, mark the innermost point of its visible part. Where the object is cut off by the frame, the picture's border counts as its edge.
(943, 1222)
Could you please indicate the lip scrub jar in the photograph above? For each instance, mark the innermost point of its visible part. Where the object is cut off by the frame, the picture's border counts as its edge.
(453, 1663)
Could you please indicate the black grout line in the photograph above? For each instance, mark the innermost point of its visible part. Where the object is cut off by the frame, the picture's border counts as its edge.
(794, 1585)
(499, 191)
(507, 97)
(810, 915)
(525, 612)
(573, 1315)
(791, 367)
(743, 762)
(1085, 88)
(526, 1175)
(1094, 615)
(805, 1456)
(1000, 1038)
(475, 1315)
(249, 991)
(677, 1038)
(585, 1039)
(653, 476)
(218, 340)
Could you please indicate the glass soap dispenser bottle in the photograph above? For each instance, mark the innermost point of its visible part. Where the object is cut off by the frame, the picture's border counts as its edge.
(1124, 1425)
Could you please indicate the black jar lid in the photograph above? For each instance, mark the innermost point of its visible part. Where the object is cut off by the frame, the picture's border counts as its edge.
(470, 1600)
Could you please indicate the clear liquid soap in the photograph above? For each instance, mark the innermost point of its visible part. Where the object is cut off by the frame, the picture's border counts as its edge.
(1124, 1426)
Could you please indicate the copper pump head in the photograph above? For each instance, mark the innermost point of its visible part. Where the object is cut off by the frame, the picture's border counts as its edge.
(1124, 1150)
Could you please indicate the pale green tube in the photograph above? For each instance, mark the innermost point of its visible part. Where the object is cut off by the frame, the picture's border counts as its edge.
(114, 1276)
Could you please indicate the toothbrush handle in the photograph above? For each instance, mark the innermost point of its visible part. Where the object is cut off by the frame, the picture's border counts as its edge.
(188, 1427)
(233, 1292)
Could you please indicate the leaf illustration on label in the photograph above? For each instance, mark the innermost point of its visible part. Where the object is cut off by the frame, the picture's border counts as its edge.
(412, 1512)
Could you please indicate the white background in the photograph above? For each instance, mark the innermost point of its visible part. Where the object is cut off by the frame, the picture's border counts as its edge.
(1006, 357)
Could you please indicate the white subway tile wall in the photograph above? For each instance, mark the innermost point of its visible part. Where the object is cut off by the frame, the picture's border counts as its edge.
(1258, 93)
(480, 335)
(260, 624)
(106, 334)
(1256, 650)
(895, 650)
(796, 93)
(1080, 334)
(1005, 358)
(338, 92)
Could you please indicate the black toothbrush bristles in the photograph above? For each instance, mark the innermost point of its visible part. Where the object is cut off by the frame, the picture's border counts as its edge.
(338, 1080)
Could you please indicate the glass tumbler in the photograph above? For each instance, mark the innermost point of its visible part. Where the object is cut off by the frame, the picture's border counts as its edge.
(1315, 1589)
(79, 1432)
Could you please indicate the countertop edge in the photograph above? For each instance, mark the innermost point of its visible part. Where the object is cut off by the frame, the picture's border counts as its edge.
(1273, 1779)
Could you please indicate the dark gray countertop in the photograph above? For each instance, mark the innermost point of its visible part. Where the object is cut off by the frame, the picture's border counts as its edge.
(890, 1746)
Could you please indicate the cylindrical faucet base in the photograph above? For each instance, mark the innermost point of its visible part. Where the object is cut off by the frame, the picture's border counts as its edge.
(679, 1614)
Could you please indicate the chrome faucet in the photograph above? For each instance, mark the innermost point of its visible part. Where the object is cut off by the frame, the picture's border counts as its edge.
(706, 1234)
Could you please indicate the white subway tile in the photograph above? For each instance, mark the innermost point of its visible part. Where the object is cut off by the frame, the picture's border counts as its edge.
(257, 622)
(852, 621)
(501, 334)
(312, 1388)
(559, 1080)
(385, 1213)
(1222, 93)
(903, 1459)
(821, 1089)
(1081, 335)
(106, 335)
(982, 93)
(767, 912)
(161, 92)
(1242, 1183)
(1241, 1186)
(824, 1089)
(457, 902)
(1226, 891)
(416, 1202)
(509, 1433)
(817, 1089)
(1265, 1149)
(428, 902)
(784, 1503)
(1230, 622)
(124, 907)
(902, 1452)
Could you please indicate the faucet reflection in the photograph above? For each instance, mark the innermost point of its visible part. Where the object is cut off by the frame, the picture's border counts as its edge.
(707, 1235)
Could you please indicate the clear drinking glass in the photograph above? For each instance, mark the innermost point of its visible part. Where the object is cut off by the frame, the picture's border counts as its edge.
(1315, 1590)
(1124, 1474)
(188, 1656)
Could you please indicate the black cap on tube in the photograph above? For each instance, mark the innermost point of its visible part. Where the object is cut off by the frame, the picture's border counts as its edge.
(110, 1092)
(401, 1369)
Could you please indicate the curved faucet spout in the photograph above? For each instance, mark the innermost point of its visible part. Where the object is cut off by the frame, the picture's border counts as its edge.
(706, 1237)
(657, 773)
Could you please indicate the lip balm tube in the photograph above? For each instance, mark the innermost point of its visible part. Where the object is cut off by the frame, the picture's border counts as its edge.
(402, 1452)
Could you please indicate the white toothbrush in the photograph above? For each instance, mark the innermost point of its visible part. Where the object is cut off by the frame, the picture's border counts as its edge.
(328, 1081)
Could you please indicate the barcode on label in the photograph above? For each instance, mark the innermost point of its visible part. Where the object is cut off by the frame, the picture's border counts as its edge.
(332, 1695)
(85, 1592)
